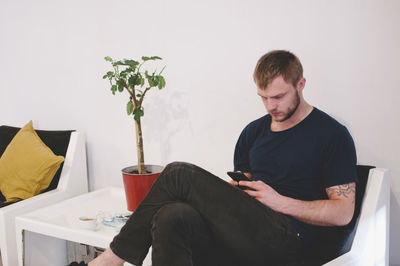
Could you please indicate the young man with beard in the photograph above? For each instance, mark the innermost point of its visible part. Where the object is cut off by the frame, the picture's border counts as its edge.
(301, 165)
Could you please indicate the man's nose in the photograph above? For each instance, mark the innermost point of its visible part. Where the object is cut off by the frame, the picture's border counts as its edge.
(271, 104)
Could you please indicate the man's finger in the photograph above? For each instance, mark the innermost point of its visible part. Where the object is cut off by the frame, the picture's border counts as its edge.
(255, 185)
(233, 182)
(252, 193)
(249, 184)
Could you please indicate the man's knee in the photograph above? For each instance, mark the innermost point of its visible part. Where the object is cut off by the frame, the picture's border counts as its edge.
(177, 166)
(175, 217)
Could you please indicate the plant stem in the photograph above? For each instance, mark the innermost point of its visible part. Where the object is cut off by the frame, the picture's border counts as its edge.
(131, 93)
(139, 145)
(141, 98)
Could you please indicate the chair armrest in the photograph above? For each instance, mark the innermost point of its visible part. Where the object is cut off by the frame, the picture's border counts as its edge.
(371, 241)
(74, 176)
(38, 201)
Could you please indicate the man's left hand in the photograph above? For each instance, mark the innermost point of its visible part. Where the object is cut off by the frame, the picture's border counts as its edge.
(263, 193)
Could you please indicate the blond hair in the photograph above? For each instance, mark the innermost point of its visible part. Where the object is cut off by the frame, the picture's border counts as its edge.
(276, 63)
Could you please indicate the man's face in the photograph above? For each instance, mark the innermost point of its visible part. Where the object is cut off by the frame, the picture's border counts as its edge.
(280, 99)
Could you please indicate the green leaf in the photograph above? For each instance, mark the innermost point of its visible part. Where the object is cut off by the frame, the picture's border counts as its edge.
(107, 58)
(132, 81)
(151, 79)
(135, 79)
(146, 58)
(151, 82)
(125, 72)
(123, 75)
(120, 88)
(126, 62)
(118, 63)
(138, 113)
(119, 85)
(139, 79)
(131, 63)
(129, 108)
(113, 89)
(109, 74)
(161, 82)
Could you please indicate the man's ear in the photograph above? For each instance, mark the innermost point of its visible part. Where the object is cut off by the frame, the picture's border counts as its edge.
(301, 84)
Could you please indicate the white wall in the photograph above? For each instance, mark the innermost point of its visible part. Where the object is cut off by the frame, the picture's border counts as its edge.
(51, 64)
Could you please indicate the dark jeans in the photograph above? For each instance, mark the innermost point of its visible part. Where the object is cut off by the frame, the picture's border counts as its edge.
(191, 217)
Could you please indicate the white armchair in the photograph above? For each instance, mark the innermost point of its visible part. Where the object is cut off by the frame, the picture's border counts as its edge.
(73, 181)
(371, 241)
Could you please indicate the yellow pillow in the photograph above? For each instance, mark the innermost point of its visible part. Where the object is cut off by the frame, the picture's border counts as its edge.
(27, 166)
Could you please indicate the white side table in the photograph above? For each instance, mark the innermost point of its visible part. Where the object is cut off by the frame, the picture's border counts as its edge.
(59, 222)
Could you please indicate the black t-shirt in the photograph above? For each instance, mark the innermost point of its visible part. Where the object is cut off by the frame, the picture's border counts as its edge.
(300, 162)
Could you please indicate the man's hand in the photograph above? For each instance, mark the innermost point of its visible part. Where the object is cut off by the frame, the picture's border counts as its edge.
(263, 193)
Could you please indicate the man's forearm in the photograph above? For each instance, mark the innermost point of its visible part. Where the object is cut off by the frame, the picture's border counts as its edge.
(335, 211)
(331, 212)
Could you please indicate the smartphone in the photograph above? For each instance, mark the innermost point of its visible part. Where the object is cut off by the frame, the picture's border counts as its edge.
(238, 176)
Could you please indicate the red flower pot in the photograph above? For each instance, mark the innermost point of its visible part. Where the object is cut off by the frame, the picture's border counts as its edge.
(137, 185)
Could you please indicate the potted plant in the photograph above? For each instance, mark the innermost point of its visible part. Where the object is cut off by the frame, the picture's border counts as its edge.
(128, 75)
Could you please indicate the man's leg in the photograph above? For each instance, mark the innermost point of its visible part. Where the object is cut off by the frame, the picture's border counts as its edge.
(248, 230)
(181, 237)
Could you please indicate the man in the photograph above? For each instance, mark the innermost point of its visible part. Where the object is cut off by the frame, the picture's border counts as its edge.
(301, 168)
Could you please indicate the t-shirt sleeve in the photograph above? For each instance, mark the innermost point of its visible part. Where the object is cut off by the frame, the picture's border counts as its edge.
(241, 155)
(340, 160)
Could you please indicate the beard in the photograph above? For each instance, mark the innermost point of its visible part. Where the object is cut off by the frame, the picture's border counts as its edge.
(291, 110)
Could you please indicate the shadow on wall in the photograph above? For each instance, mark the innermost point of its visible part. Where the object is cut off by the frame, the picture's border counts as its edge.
(172, 117)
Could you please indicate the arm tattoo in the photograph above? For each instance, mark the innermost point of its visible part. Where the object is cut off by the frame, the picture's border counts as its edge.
(342, 190)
